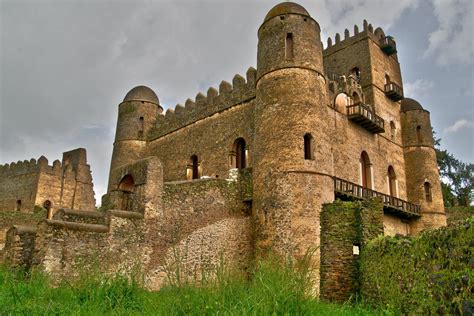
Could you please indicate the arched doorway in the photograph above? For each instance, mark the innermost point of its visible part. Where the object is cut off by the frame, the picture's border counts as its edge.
(127, 186)
(239, 151)
(392, 182)
(366, 174)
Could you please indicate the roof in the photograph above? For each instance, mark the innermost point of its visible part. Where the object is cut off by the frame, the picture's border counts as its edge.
(142, 93)
(410, 104)
(286, 8)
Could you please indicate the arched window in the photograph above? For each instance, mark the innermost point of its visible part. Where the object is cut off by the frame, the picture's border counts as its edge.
(18, 205)
(427, 189)
(239, 154)
(356, 73)
(194, 167)
(418, 134)
(387, 79)
(127, 184)
(393, 130)
(366, 174)
(308, 146)
(289, 46)
(392, 182)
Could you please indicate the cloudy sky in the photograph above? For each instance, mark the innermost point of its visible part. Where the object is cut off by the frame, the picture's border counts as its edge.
(66, 65)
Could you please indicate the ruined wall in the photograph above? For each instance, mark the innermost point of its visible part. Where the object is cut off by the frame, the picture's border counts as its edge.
(19, 246)
(34, 182)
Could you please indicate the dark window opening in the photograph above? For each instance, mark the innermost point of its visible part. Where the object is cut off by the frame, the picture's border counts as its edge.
(356, 73)
(387, 79)
(308, 151)
(418, 134)
(392, 130)
(195, 167)
(366, 174)
(240, 159)
(18, 205)
(392, 181)
(428, 196)
(127, 186)
(289, 46)
(141, 124)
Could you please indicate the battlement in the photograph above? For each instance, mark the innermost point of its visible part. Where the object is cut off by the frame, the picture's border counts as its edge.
(241, 90)
(367, 31)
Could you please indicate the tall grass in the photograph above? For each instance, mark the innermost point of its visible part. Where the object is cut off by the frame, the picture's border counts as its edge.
(272, 289)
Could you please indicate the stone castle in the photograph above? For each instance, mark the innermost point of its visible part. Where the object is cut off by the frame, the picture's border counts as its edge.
(248, 168)
(66, 184)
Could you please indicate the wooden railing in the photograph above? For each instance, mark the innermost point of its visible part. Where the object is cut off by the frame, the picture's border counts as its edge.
(354, 190)
(364, 115)
(394, 91)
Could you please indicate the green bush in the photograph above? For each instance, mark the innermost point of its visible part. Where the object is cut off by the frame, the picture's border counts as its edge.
(432, 273)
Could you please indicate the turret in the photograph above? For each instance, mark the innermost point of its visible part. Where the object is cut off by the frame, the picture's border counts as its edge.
(137, 115)
(422, 175)
(291, 160)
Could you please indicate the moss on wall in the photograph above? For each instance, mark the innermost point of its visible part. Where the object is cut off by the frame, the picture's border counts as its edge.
(432, 273)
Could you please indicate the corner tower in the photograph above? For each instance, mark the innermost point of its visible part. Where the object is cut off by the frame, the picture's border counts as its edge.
(137, 115)
(422, 175)
(292, 150)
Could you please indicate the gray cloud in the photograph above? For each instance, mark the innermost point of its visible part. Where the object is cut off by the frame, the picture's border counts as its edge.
(66, 65)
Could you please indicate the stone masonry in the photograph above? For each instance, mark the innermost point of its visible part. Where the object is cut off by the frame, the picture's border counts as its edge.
(246, 168)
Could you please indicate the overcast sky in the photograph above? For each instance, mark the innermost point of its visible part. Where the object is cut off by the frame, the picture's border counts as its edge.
(66, 65)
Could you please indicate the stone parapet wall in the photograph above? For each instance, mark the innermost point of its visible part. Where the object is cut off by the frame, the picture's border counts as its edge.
(240, 91)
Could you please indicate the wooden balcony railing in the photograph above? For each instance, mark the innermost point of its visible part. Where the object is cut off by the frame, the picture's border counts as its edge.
(388, 45)
(391, 203)
(364, 116)
(393, 91)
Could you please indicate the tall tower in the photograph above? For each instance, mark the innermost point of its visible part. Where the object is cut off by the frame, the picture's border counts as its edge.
(291, 158)
(137, 115)
(422, 175)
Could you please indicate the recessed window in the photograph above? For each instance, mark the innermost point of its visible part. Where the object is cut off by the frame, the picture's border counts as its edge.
(393, 130)
(18, 205)
(418, 134)
(366, 173)
(289, 46)
(356, 73)
(238, 155)
(308, 146)
(427, 189)
(392, 181)
(141, 124)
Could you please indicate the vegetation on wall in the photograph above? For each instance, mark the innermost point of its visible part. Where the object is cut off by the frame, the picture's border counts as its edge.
(429, 274)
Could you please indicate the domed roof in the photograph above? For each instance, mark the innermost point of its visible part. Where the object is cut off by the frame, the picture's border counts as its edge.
(142, 93)
(410, 104)
(286, 8)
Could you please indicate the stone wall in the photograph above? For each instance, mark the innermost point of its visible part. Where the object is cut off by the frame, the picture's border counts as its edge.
(19, 246)
(345, 229)
(23, 185)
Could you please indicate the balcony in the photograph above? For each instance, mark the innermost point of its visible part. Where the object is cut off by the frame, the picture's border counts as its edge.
(346, 189)
(393, 91)
(388, 45)
(364, 116)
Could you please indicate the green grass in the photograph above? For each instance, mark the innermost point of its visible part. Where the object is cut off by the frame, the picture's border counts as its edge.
(273, 289)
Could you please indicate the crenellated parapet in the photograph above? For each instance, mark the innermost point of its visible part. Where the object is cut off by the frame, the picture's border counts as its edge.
(339, 42)
(241, 90)
(30, 166)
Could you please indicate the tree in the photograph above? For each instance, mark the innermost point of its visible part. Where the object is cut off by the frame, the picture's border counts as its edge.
(457, 177)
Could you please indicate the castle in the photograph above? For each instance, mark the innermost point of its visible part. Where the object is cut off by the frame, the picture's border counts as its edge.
(248, 168)
(66, 184)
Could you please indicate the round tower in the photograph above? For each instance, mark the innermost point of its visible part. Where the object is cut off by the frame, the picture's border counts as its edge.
(292, 152)
(422, 175)
(137, 115)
